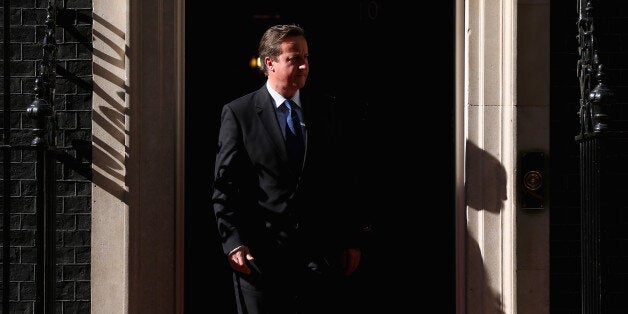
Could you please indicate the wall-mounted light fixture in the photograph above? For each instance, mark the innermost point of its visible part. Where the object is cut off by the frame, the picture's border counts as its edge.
(255, 62)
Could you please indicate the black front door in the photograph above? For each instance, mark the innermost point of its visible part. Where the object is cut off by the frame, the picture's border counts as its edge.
(396, 66)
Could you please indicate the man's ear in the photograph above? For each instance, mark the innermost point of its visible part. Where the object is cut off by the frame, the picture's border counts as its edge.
(269, 63)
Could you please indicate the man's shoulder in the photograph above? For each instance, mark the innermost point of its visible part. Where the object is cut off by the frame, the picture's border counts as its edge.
(318, 95)
(245, 102)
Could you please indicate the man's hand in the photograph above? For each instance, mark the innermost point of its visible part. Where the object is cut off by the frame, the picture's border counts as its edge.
(351, 260)
(238, 258)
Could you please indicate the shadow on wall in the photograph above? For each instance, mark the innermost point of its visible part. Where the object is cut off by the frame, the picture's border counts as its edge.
(485, 191)
(108, 163)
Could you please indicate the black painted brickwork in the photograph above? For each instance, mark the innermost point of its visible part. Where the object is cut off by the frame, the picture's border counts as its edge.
(611, 22)
(73, 104)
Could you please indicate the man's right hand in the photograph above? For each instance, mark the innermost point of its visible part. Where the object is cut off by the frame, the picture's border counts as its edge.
(238, 258)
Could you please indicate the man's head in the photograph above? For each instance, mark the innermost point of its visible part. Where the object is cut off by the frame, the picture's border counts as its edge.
(283, 52)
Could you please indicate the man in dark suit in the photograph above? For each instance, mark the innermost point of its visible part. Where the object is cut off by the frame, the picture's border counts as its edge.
(282, 188)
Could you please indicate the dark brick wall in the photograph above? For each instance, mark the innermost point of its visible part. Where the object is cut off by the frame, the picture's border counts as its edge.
(611, 21)
(73, 104)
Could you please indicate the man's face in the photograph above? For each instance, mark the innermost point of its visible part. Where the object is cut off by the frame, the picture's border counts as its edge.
(289, 72)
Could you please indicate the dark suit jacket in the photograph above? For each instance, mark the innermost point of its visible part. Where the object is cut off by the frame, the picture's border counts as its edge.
(260, 202)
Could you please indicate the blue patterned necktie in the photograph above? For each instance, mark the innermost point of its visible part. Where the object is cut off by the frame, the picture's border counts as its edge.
(294, 137)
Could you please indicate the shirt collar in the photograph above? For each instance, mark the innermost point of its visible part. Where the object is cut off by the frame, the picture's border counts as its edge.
(280, 99)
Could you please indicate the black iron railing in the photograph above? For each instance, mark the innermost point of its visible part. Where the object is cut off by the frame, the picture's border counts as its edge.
(41, 112)
(603, 169)
(593, 121)
(595, 96)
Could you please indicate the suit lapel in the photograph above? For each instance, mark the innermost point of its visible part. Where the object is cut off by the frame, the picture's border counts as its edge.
(307, 118)
(266, 112)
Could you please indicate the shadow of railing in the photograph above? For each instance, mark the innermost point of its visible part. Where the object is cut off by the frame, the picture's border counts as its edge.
(110, 113)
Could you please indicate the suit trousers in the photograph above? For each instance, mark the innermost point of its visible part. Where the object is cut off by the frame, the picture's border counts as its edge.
(305, 286)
